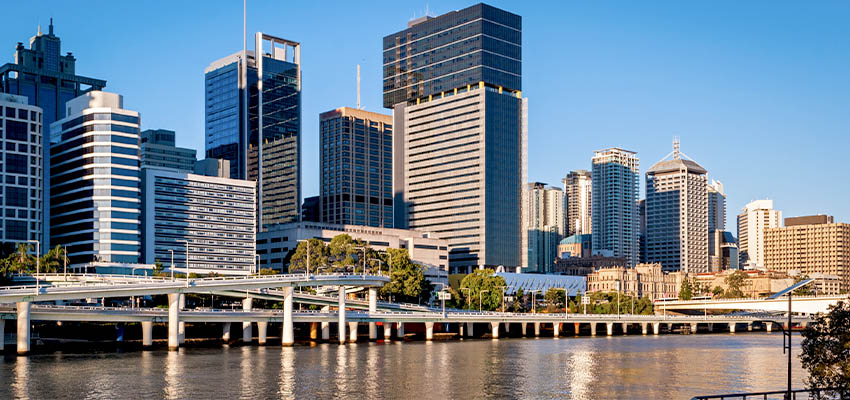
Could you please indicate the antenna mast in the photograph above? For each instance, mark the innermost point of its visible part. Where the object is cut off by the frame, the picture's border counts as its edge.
(358, 86)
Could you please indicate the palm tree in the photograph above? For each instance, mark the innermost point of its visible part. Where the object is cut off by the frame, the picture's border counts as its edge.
(23, 261)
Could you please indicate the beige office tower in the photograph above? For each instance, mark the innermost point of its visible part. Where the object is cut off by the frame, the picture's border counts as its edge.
(757, 216)
(677, 214)
(543, 226)
(811, 245)
(616, 223)
(578, 190)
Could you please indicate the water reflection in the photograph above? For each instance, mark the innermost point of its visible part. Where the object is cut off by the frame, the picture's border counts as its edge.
(22, 377)
(579, 371)
(287, 373)
(173, 371)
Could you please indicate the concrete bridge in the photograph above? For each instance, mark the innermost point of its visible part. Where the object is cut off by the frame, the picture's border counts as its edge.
(799, 304)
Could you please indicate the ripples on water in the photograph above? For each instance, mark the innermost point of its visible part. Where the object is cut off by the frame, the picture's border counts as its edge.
(633, 367)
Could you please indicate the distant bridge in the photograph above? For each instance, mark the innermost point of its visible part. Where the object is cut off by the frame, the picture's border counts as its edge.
(799, 304)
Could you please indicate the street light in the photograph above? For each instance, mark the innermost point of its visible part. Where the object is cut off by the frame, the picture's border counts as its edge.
(787, 332)
(307, 268)
(37, 262)
(65, 262)
(480, 296)
(172, 263)
(534, 301)
(503, 295)
(442, 298)
(257, 264)
(187, 261)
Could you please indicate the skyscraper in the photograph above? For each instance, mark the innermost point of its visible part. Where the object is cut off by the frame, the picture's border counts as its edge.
(757, 216)
(677, 214)
(95, 201)
(49, 80)
(459, 137)
(578, 190)
(716, 206)
(543, 226)
(20, 168)
(811, 245)
(356, 160)
(252, 109)
(159, 150)
(614, 203)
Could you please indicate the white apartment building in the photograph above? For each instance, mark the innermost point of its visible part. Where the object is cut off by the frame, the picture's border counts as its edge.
(543, 226)
(578, 190)
(757, 216)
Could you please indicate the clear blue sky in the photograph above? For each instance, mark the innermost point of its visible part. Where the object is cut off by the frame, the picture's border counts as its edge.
(758, 91)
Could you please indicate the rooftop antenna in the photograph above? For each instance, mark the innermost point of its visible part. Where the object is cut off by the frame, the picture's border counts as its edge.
(50, 29)
(676, 152)
(358, 86)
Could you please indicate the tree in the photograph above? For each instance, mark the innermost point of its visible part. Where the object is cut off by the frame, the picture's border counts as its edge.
(826, 351)
(53, 260)
(555, 298)
(482, 286)
(407, 282)
(686, 292)
(518, 305)
(318, 256)
(806, 290)
(734, 285)
(717, 291)
(342, 251)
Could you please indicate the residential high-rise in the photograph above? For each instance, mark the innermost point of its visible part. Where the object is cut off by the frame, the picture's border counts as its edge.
(543, 225)
(49, 80)
(356, 162)
(578, 190)
(757, 216)
(20, 168)
(677, 214)
(716, 206)
(212, 217)
(454, 83)
(811, 245)
(615, 209)
(159, 150)
(642, 231)
(255, 108)
(95, 188)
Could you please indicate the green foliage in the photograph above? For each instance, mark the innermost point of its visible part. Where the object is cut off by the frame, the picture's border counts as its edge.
(735, 284)
(407, 281)
(318, 256)
(826, 351)
(342, 251)
(686, 292)
(807, 290)
(717, 291)
(519, 303)
(606, 303)
(555, 299)
(482, 287)
(267, 271)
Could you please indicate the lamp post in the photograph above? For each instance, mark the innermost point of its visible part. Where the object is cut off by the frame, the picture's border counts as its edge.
(257, 264)
(468, 295)
(534, 300)
(172, 263)
(480, 298)
(442, 298)
(187, 261)
(65, 263)
(37, 262)
(503, 295)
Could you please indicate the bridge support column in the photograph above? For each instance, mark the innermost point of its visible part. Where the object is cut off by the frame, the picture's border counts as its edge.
(388, 331)
(625, 328)
(352, 332)
(341, 315)
(23, 308)
(732, 327)
(711, 327)
(749, 326)
(525, 329)
(556, 329)
(247, 333)
(181, 328)
(225, 332)
(429, 331)
(536, 329)
(470, 330)
(2, 335)
(373, 307)
(494, 330)
(287, 334)
(147, 334)
(769, 327)
(576, 328)
(694, 327)
(644, 329)
(669, 327)
(314, 331)
(656, 328)
(262, 332)
(610, 327)
(326, 326)
(173, 321)
(593, 329)
(399, 330)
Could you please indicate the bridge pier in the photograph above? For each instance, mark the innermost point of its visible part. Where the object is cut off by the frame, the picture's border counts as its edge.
(494, 329)
(556, 329)
(262, 332)
(181, 328)
(173, 321)
(429, 331)
(656, 328)
(352, 332)
(400, 330)
(524, 329)
(287, 334)
(225, 332)
(2, 335)
(694, 327)
(314, 331)
(576, 328)
(373, 307)
(711, 327)
(388, 331)
(644, 328)
(326, 326)
(341, 315)
(470, 329)
(247, 333)
(669, 327)
(749, 326)
(625, 328)
(147, 334)
(769, 326)
(732, 327)
(610, 327)
(593, 329)
(23, 308)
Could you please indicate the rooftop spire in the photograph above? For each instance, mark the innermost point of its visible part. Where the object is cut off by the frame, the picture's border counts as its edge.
(50, 28)
(676, 153)
(39, 30)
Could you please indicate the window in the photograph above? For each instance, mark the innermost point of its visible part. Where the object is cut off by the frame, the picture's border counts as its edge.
(16, 164)
(16, 130)
(16, 197)
(16, 230)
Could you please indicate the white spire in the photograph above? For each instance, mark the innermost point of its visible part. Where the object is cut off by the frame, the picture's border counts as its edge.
(676, 153)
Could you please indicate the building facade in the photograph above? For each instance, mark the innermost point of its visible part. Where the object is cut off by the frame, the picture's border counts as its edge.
(644, 280)
(543, 224)
(21, 195)
(578, 191)
(356, 157)
(95, 200)
(159, 150)
(724, 251)
(454, 83)
(253, 120)
(616, 223)
(677, 214)
(810, 245)
(585, 265)
(757, 216)
(575, 246)
(210, 217)
(716, 206)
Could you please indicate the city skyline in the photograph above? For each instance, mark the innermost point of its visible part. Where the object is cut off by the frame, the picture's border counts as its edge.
(738, 91)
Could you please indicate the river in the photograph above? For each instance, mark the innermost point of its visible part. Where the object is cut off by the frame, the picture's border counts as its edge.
(625, 367)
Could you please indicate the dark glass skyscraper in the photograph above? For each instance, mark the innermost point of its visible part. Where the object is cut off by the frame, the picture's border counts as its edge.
(269, 124)
(460, 132)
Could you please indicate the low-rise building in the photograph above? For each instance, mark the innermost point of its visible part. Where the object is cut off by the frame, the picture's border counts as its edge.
(583, 266)
(274, 244)
(644, 280)
(757, 284)
(575, 246)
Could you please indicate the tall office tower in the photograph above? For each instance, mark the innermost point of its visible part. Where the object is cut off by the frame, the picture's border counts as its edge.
(20, 168)
(616, 223)
(255, 108)
(677, 214)
(543, 226)
(356, 160)
(49, 80)
(811, 245)
(159, 150)
(459, 137)
(94, 168)
(642, 231)
(757, 216)
(578, 189)
(716, 206)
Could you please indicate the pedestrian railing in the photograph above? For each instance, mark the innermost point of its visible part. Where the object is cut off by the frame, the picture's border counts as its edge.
(796, 394)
